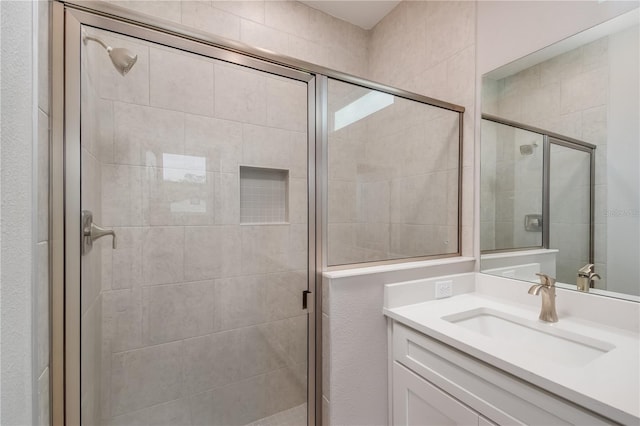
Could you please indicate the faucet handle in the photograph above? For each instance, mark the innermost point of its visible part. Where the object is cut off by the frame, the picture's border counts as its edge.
(546, 280)
(586, 270)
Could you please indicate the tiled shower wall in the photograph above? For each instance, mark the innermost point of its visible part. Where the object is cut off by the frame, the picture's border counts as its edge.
(285, 27)
(488, 182)
(393, 179)
(567, 94)
(428, 47)
(201, 315)
(511, 187)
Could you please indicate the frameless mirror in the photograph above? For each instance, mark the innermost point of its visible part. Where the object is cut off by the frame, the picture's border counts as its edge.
(560, 160)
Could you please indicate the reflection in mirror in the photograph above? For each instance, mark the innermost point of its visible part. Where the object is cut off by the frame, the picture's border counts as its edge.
(560, 148)
(185, 175)
(511, 188)
(570, 212)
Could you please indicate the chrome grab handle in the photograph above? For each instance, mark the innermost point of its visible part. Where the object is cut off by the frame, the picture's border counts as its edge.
(91, 232)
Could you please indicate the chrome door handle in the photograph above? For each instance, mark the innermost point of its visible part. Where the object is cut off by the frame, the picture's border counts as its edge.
(91, 232)
(98, 232)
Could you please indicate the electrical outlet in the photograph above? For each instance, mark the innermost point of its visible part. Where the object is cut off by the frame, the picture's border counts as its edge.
(444, 289)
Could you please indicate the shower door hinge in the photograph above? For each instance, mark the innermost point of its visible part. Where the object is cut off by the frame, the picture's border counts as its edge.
(305, 299)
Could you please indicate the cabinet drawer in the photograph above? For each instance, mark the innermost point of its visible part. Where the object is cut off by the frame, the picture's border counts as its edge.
(500, 396)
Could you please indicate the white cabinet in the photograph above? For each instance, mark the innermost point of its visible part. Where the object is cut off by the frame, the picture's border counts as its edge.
(434, 384)
(417, 402)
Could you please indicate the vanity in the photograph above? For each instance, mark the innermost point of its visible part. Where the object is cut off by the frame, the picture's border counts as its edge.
(479, 355)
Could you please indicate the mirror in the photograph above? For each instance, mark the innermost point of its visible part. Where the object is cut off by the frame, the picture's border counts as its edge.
(560, 160)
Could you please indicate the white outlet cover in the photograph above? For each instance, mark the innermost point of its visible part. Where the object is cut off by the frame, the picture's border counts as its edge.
(444, 289)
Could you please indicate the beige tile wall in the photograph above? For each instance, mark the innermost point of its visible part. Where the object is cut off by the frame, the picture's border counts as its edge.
(488, 182)
(200, 314)
(428, 47)
(286, 27)
(392, 181)
(511, 187)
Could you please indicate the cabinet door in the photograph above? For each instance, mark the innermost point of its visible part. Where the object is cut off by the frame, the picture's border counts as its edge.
(417, 402)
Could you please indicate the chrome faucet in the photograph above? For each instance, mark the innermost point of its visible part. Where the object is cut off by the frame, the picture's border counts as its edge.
(586, 277)
(548, 288)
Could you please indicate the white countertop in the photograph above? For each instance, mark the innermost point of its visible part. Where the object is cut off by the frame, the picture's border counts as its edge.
(608, 385)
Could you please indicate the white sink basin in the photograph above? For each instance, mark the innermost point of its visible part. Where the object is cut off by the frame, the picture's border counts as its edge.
(535, 337)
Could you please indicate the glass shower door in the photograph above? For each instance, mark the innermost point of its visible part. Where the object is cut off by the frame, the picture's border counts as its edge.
(191, 313)
(570, 209)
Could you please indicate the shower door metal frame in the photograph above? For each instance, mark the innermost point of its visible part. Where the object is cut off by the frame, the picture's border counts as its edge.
(583, 147)
(66, 197)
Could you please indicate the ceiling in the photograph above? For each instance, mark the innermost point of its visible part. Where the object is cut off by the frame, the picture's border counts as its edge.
(363, 13)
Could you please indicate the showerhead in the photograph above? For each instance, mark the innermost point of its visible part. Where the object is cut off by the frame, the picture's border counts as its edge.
(123, 59)
(527, 149)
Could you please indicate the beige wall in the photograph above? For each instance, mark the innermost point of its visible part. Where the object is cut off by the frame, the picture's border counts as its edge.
(42, 210)
(24, 210)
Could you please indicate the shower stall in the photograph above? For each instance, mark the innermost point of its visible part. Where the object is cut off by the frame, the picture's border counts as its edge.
(192, 184)
(191, 303)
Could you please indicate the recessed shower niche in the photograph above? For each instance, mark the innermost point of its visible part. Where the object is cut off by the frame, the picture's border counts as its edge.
(264, 195)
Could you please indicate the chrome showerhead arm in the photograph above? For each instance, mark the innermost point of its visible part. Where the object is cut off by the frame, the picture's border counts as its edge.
(122, 59)
(86, 38)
